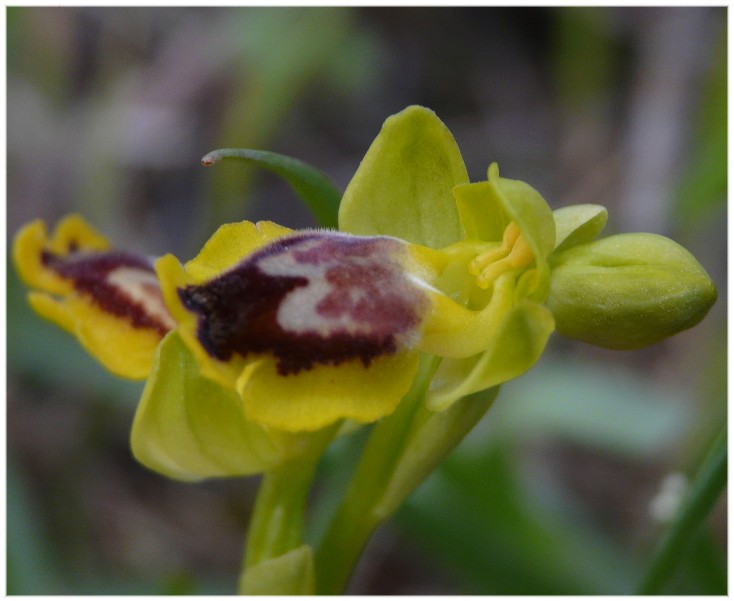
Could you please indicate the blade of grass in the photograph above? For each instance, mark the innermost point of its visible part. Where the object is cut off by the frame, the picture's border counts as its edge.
(705, 490)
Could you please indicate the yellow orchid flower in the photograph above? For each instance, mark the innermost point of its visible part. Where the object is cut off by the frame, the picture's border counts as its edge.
(315, 326)
(110, 300)
(270, 341)
(272, 334)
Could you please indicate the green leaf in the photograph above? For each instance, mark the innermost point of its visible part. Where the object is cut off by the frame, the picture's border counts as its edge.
(403, 186)
(31, 562)
(496, 535)
(313, 187)
(289, 574)
(707, 487)
(188, 427)
(704, 178)
(577, 224)
(583, 84)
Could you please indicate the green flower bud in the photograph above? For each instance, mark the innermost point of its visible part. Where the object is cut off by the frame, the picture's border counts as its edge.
(628, 291)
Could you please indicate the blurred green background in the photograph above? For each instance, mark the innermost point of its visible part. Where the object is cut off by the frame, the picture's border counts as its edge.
(562, 488)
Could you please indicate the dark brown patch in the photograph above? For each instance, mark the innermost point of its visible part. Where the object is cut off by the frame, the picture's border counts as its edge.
(89, 273)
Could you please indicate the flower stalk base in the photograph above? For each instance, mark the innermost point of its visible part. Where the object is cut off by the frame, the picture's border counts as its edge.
(403, 449)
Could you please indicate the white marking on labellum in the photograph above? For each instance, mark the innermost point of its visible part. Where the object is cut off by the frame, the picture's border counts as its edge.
(355, 285)
(143, 289)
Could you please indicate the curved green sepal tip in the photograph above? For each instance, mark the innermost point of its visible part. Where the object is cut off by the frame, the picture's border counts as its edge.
(187, 427)
(311, 185)
(628, 291)
(403, 186)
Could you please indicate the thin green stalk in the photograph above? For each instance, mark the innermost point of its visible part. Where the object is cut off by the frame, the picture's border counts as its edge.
(354, 520)
(705, 490)
(401, 452)
(276, 525)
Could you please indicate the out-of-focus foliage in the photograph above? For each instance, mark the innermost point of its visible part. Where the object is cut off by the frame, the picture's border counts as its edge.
(109, 112)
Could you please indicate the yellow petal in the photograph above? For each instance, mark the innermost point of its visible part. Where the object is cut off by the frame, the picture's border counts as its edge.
(229, 244)
(30, 243)
(74, 232)
(453, 330)
(324, 394)
(313, 298)
(481, 213)
(53, 309)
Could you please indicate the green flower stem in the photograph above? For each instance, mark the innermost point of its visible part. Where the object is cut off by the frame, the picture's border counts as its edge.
(401, 452)
(355, 519)
(705, 490)
(276, 526)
